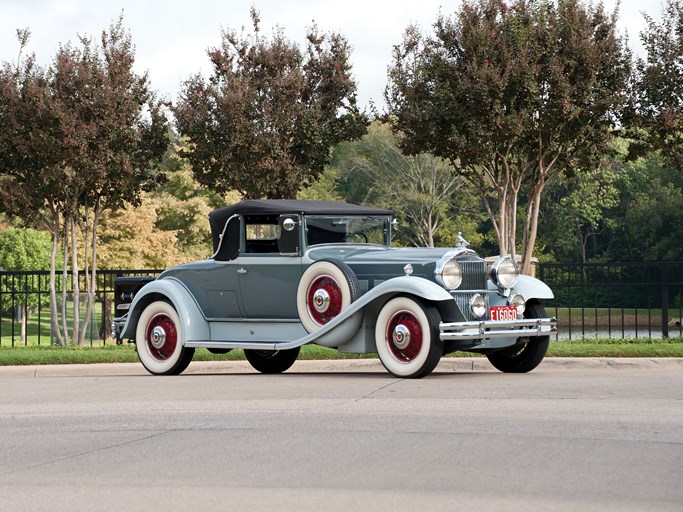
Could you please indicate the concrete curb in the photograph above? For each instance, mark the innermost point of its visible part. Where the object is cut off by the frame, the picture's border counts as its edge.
(448, 364)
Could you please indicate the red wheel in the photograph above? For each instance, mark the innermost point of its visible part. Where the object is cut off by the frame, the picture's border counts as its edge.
(407, 337)
(404, 335)
(161, 337)
(326, 288)
(159, 340)
(324, 299)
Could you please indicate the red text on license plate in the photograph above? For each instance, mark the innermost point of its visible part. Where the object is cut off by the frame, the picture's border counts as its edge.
(503, 313)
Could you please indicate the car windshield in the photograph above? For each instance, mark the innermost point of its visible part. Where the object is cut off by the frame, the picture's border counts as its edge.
(329, 229)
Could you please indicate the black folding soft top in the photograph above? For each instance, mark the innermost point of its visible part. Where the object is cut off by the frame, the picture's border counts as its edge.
(218, 218)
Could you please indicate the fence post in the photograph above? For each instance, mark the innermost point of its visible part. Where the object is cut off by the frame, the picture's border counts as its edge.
(665, 301)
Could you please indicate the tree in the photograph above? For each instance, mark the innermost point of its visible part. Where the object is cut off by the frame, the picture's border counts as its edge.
(650, 219)
(420, 187)
(131, 240)
(513, 96)
(77, 139)
(581, 209)
(267, 118)
(657, 111)
(23, 249)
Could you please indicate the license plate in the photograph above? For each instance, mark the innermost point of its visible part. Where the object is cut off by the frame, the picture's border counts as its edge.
(503, 313)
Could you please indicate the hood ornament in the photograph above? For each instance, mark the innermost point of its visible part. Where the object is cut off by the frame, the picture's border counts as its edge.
(461, 241)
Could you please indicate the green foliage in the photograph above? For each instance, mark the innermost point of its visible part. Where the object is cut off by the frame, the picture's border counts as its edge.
(653, 219)
(513, 96)
(579, 210)
(76, 139)
(168, 227)
(422, 189)
(23, 249)
(657, 111)
(265, 121)
(87, 131)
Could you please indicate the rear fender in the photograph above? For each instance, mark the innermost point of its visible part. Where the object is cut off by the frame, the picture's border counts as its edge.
(195, 326)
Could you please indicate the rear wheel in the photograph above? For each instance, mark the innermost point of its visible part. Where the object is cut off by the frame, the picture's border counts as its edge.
(523, 357)
(159, 340)
(407, 337)
(272, 361)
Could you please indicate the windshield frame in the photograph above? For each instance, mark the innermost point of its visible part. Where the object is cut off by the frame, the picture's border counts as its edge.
(365, 230)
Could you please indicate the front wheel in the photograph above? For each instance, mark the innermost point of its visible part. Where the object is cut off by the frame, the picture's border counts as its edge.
(159, 340)
(523, 358)
(407, 337)
(272, 361)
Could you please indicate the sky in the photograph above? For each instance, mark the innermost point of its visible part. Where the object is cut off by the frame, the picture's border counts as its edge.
(171, 37)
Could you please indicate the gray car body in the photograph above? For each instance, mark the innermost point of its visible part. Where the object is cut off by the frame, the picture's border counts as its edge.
(250, 301)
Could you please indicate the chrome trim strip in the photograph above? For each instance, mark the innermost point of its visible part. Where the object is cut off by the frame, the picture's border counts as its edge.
(250, 345)
(493, 329)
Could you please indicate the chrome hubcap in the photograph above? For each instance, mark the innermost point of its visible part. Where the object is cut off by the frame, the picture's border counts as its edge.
(401, 336)
(321, 300)
(158, 337)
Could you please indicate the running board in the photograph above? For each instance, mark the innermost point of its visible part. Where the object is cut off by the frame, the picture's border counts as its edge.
(249, 345)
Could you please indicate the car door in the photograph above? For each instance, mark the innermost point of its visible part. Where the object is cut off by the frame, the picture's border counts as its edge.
(269, 280)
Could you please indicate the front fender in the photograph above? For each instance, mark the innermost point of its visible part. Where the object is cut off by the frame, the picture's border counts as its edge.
(195, 326)
(345, 325)
(532, 288)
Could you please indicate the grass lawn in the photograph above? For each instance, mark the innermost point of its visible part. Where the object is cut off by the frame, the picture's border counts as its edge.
(611, 347)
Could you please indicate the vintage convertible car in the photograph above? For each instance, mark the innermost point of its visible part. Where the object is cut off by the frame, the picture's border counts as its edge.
(285, 273)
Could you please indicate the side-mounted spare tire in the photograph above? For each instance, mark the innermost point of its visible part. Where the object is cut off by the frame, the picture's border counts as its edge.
(326, 288)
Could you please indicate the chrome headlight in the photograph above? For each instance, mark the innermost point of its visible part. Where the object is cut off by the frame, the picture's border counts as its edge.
(504, 272)
(448, 274)
(478, 305)
(518, 302)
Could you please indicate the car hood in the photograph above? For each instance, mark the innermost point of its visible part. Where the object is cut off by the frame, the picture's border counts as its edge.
(380, 261)
(376, 254)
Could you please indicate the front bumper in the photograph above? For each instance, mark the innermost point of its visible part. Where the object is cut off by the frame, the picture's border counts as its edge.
(454, 331)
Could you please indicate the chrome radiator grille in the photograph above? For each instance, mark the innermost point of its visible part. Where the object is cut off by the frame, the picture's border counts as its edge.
(474, 274)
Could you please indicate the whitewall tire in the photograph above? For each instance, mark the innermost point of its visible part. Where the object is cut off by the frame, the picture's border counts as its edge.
(326, 288)
(407, 337)
(159, 340)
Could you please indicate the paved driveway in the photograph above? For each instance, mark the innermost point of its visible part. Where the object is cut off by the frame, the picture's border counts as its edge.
(572, 435)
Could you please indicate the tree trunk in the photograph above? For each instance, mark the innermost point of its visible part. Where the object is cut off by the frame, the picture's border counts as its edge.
(65, 281)
(106, 319)
(24, 314)
(531, 228)
(75, 284)
(54, 319)
(91, 283)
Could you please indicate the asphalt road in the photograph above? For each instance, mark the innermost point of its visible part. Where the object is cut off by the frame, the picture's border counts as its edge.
(590, 435)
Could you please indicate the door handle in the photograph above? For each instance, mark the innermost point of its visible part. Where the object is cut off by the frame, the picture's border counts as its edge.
(241, 271)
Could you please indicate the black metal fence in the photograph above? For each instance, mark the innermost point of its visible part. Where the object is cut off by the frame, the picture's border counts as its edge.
(615, 300)
(612, 300)
(25, 313)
